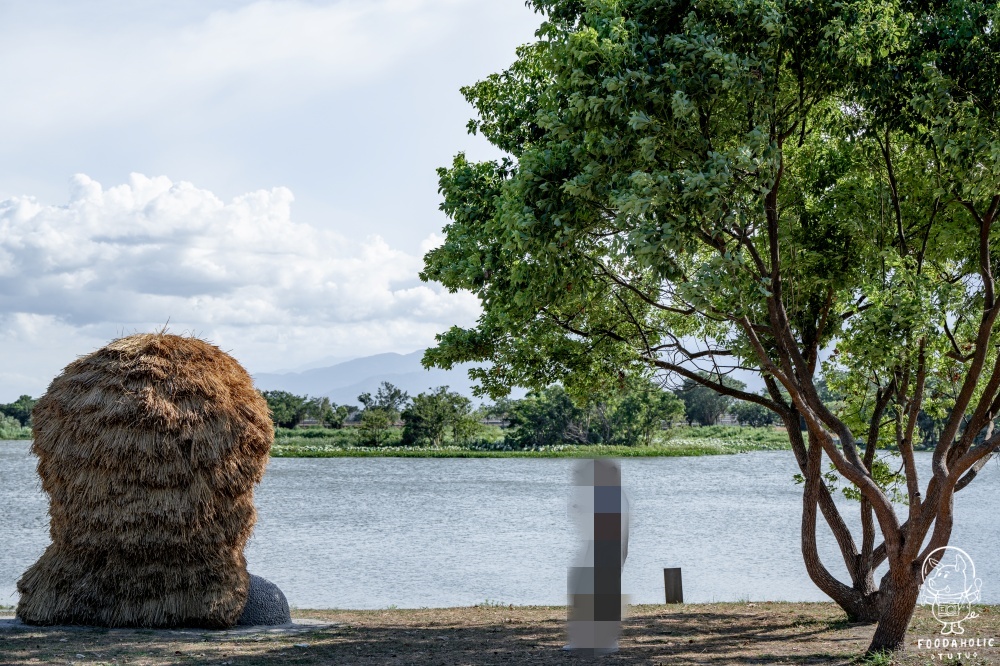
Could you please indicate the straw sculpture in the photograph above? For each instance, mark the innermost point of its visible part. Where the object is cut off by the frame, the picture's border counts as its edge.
(149, 450)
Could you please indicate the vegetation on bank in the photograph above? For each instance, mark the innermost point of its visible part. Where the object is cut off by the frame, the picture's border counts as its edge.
(632, 419)
(684, 441)
(11, 428)
(15, 418)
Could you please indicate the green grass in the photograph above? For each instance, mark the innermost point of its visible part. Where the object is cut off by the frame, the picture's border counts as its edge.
(765, 436)
(719, 440)
(10, 428)
(346, 443)
(884, 658)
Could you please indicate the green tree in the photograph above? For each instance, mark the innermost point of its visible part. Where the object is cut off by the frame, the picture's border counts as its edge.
(702, 403)
(375, 425)
(467, 425)
(388, 397)
(287, 409)
(632, 415)
(758, 185)
(381, 412)
(20, 409)
(463, 421)
(328, 413)
(428, 416)
(544, 418)
(753, 415)
(11, 428)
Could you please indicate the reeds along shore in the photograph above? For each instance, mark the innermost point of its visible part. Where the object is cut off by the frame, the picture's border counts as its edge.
(149, 450)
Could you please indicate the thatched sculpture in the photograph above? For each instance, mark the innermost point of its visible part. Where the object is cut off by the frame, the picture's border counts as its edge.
(149, 450)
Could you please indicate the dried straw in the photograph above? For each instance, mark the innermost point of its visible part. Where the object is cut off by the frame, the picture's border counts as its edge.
(149, 450)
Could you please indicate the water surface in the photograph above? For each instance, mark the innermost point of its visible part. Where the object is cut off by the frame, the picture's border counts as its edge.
(376, 532)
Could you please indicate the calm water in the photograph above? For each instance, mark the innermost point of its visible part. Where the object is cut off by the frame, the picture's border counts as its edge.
(371, 532)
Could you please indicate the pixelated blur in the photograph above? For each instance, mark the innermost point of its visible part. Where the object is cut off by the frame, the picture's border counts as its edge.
(594, 584)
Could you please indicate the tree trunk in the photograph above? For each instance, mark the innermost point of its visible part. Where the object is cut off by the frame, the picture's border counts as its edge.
(898, 603)
(860, 600)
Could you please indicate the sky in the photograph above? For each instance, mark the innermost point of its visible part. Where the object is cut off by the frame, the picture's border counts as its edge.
(257, 173)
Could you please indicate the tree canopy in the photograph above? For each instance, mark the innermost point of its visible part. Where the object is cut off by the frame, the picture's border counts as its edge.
(430, 414)
(699, 187)
(627, 415)
(704, 404)
(20, 409)
(388, 397)
(287, 409)
(381, 411)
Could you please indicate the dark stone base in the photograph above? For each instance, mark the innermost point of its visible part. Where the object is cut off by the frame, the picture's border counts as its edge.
(266, 605)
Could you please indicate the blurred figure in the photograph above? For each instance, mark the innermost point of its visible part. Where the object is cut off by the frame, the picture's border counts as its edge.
(594, 585)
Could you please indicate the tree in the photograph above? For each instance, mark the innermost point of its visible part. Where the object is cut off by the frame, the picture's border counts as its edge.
(543, 418)
(287, 409)
(388, 397)
(20, 409)
(753, 415)
(467, 425)
(704, 404)
(754, 185)
(622, 415)
(631, 415)
(329, 413)
(375, 424)
(427, 418)
(430, 415)
(11, 428)
(381, 411)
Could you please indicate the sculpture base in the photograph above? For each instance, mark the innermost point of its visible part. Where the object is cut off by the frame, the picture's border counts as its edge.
(266, 605)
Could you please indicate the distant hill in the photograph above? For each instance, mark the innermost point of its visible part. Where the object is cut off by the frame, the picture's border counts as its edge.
(343, 382)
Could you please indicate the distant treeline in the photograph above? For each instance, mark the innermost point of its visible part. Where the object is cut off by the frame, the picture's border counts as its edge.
(629, 415)
(15, 418)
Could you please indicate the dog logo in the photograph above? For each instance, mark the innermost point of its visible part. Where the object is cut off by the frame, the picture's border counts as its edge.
(950, 587)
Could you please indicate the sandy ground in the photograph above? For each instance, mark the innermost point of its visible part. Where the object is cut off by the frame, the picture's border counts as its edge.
(718, 634)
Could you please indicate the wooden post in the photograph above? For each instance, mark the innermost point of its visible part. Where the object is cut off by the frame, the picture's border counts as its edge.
(672, 585)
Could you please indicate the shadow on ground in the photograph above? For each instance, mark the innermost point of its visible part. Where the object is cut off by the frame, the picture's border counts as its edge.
(723, 634)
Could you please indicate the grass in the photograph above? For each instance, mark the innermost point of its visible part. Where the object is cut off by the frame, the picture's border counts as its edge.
(345, 443)
(14, 433)
(714, 440)
(703, 447)
(723, 634)
(883, 658)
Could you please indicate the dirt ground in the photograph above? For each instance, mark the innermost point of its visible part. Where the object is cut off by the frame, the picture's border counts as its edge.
(718, 634)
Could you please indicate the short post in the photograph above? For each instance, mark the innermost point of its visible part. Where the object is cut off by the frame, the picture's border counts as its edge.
(672, 585)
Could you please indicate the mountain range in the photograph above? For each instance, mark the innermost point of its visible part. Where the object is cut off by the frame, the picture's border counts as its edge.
(343, 382)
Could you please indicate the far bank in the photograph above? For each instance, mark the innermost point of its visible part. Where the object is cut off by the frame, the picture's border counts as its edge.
(688, 441)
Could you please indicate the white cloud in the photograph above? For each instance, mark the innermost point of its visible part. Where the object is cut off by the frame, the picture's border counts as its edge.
(264, 55)
(243, 273)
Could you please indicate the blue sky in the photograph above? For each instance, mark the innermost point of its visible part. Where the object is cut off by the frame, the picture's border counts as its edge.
(258, 173)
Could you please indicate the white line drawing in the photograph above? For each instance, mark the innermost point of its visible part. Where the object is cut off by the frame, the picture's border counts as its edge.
(950, 587)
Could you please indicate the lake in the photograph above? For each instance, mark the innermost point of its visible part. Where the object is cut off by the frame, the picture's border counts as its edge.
(376, 532)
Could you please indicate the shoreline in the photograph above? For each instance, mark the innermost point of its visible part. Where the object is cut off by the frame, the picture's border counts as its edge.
(594, 451)
(693, 447)
(677, 442)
